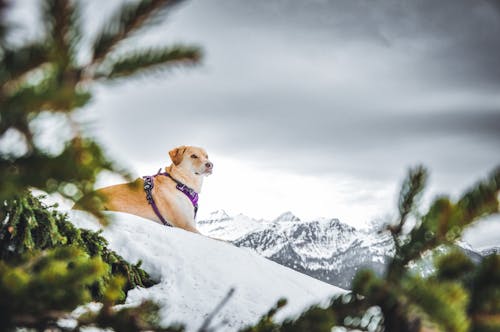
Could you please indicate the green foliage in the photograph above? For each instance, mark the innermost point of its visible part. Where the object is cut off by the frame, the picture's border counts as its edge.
(128, 19)
(453, 266)
(141, 318)
(31, 289)
(266, 323)
(484, 307)
(445, 303)
(411, 191)
(41, 287)
(30, 226)
(140, 60)
(315, 319)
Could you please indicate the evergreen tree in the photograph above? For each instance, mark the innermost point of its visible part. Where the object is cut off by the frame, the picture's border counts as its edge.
(48, 267)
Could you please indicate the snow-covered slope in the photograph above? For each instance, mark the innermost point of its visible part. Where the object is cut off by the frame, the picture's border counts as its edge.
(196, 272)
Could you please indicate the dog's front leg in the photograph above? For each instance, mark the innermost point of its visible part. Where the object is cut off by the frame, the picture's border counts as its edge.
(191, 228)
(181, 220)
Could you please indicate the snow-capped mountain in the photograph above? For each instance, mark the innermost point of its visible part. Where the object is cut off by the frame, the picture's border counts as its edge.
(195, 273)
(326, 249)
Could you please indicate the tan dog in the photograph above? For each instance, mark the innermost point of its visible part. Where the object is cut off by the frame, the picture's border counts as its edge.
(189, 166)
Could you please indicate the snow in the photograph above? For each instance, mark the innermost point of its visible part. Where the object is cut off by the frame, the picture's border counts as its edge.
(287, 217)
(196, 272)
(229, 228)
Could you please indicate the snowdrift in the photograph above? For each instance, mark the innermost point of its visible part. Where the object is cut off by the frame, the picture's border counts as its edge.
(196, 272)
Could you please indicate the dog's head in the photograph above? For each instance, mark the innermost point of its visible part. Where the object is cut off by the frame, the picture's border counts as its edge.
(192, 159)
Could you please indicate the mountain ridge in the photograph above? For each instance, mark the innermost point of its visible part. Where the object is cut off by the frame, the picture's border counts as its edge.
(324, 248)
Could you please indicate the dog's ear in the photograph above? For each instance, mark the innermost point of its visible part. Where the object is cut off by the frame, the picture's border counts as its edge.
(176, 154)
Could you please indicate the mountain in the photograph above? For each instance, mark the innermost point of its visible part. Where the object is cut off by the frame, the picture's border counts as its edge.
(196, 272)
(326, 249)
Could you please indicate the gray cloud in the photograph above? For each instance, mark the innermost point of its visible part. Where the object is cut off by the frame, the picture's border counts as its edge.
(356, 87)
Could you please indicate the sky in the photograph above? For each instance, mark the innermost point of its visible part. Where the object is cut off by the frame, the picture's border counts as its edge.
(318, 107)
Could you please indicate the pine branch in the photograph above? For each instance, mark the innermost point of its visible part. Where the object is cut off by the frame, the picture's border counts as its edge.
(76, 30)
(3, 26)
(480, 201)
(266, 322)
(17, 62)
(410, 193)
(444, 302)
(57, 17)
(128, 19)
(160, 58)
(445, 221)
(49, 94)
(484, 307)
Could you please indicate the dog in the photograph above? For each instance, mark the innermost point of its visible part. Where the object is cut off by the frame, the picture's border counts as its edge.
(172, 192)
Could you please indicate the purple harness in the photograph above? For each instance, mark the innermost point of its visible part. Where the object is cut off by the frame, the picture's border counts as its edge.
(148, 188)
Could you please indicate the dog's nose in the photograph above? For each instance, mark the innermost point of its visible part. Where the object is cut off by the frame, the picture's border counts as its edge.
(209, 165)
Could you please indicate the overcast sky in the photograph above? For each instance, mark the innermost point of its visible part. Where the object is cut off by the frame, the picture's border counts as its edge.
(318, 107)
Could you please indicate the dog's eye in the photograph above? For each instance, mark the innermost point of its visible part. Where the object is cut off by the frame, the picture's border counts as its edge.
(194, 156)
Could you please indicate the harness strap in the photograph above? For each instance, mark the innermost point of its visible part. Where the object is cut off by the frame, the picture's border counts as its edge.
(189, 192)
(148, 188)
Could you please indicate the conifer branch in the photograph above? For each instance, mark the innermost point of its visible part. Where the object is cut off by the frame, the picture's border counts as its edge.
(433, 298)
(445, 220)
(57, 16)
(409, 195)
(17, 62)
(3, 26)
(128, 19)
(160, 58)
(410, 192)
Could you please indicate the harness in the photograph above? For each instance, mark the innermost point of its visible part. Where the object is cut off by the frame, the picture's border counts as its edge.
(148, 188)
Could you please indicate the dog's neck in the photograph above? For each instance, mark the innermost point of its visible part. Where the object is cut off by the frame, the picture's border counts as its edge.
(187, 177)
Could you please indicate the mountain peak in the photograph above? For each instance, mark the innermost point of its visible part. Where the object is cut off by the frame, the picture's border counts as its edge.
(287, 217)
(216, 216)
(219, 214)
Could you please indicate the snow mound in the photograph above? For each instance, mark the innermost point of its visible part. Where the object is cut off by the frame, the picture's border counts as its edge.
(196, 272)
